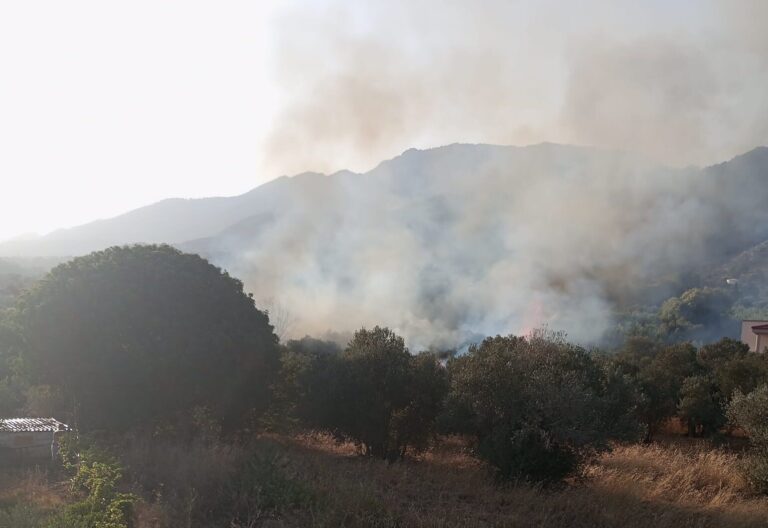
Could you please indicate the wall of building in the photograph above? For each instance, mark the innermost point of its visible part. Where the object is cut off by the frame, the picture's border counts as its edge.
(751, 339)
(26, 445)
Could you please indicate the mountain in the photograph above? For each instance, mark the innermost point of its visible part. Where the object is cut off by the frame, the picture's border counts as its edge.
(464, 240)
(171, 220)
(177, 220)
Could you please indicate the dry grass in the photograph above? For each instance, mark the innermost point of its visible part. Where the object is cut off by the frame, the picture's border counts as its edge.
(322, 484)
(633, 486)
(42, 488)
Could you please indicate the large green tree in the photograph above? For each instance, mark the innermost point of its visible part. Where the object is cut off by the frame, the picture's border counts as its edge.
(141, 335)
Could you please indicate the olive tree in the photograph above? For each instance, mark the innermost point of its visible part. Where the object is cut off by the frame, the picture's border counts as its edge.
(374, 393)
(701, 405)
(536, 406)
(750, 412)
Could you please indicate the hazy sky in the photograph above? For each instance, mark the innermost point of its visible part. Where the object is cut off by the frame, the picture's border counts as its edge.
(107, 105)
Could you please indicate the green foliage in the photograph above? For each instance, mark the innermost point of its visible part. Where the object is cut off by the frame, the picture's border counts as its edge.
(537, 406)
(22, 515)
(263, 487)
(699, 313)
(144, 334)
(750, 412)
(44, 400)
(374, 393)
(416, 424)
(658, 373)
(12, 385)
(695, 385)
(734, 367)
(723, 351)
(11, 286)
(701, 405)
(104, 506)
(743, 374)
(307, 371)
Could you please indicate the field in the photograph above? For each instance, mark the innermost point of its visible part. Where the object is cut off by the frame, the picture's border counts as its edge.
(312, 481)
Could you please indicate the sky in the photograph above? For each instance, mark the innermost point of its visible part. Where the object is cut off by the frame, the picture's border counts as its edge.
(106, 106)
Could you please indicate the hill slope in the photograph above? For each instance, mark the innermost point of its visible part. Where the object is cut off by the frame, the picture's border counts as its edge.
(464, 240)
(171, 220)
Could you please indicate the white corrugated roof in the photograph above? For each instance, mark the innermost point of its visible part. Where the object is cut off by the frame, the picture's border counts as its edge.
(31, 425)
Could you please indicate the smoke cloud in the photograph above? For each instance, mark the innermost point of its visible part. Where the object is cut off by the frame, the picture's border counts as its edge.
(455, 243)
(450, 244)
(681, 83)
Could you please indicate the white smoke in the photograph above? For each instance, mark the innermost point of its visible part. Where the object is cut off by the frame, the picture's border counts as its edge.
(451, 244)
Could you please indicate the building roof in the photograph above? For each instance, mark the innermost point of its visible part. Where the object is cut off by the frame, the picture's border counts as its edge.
(760, 328)
(31, 425)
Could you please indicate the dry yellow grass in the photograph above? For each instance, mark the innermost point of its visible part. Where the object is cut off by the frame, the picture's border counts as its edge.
(674, 484)
(633, 486)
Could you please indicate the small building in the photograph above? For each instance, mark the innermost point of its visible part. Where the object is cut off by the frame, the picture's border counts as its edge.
(755, 334)
(29, 438)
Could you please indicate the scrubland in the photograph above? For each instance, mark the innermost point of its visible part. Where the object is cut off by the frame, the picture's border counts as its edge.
(311, 480)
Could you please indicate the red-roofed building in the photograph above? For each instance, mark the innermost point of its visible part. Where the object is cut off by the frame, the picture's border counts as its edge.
(755, 334)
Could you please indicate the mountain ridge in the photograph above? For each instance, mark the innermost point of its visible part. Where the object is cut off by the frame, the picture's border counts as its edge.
(463, 240)
(225, 211)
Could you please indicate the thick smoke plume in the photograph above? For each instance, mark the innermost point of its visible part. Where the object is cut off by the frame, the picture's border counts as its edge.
(363, 82)
(450, 244)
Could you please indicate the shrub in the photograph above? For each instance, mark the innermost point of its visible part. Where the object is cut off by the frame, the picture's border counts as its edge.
(22, 515)
(103, 506)
(701, 406)
(536, 406)
(202, 483)
(302, 395)
(374, 393)
(658, 373)
(261, 488)
(750, 412)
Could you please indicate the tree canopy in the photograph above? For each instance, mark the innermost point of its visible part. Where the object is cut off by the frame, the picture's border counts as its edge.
(141, 334)
(536, 405)
(374, 392)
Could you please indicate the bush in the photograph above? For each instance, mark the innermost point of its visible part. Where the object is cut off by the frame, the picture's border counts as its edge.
(374, 393)
(261, 488)
(701, 406)
(536, 406)
(103, 506)
(200, 483)
(22, 515)
(750, 412)
(658, 373)
(301, 395)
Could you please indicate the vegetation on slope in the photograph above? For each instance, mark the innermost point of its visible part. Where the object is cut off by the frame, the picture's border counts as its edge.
(176, 377)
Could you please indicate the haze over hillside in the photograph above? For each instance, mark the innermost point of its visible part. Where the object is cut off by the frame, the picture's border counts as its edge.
(464, 240)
